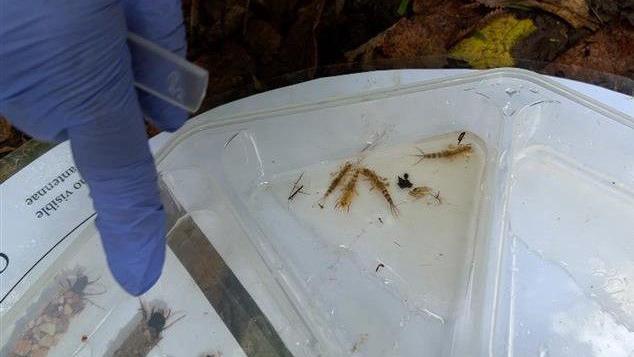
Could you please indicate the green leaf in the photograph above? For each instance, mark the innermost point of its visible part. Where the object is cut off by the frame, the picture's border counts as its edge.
(402, 8)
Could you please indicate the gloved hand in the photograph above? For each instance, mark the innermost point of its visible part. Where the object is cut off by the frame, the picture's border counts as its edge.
(66, 72)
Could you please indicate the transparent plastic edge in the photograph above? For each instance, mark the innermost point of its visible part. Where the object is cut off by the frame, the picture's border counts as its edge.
(208, 121)
(183, 64)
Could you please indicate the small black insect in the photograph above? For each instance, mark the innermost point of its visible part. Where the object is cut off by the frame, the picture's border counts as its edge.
(157, 319)
(156, 322)
(461, 136)
(403, 182)
(381, 265)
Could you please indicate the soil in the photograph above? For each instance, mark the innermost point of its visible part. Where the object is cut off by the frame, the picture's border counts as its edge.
(250, 46)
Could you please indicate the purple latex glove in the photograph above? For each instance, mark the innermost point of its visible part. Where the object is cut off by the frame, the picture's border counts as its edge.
(66, 72)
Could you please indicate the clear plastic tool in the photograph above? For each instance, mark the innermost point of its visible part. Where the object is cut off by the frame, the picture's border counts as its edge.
(166, 75)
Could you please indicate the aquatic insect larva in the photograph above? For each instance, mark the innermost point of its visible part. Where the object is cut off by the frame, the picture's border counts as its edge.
(348, 192)
(338, 177)
(424, 191)
(420, 191)
(380, 184)
(451, 152)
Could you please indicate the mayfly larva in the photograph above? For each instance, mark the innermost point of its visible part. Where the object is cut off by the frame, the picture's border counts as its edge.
(348, 192)
(146, 334)
(424, 191)
(380, 184)
(338, 177)
(420, 191)
(451, 152)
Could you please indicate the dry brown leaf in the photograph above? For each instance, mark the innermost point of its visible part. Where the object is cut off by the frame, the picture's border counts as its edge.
(607, 10)
(542, 46)
(422, 36)
(263, 39)
(219, 19)
(575, 12)
(5, 129)
(230, 70)
(406, 39)
(608, 51)
(300, 48)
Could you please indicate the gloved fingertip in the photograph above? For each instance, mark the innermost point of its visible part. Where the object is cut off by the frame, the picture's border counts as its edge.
(142, 285)
(136, 255)
(165, 116)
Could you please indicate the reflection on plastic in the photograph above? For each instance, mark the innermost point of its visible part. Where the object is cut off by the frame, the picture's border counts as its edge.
(167, 75)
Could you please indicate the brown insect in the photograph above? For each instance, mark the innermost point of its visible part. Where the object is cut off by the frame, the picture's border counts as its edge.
(449, 153)
(424, 191)
(338, 178)
(348, 192)
(146, 334)
(380, 183)
(420, 191)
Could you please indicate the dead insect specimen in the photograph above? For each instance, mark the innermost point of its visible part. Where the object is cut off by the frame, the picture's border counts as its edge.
(404, 182)
(337, 179)
(449, 153)
(424, 191)
(348, 192)
(45, 330)
(461, 136)
(146, 334)
(420, 191)
(296, 189)
(380, 184)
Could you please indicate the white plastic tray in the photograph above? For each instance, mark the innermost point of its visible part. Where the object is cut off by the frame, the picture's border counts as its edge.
(530, 251)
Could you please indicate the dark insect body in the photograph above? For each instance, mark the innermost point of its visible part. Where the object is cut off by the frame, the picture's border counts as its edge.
(404, 182)
(146, 334)
(461, 136)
